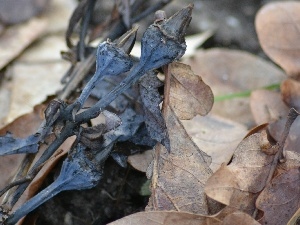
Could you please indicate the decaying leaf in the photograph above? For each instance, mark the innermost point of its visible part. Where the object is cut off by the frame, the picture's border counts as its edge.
(232, 71)
(278, 33)
(141, 161)
(176, 175)
(189, 95)
(290, 91)
(216, 136)
(238, 218)
(17, 11)
(267, 106)
(238, 184)
(281, 198)
(17, 38)
(161, 218)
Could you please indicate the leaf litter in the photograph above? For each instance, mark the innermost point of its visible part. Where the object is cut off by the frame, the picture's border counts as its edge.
(252, 179)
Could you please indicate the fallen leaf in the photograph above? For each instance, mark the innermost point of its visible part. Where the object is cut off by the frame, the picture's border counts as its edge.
(32, 83)
(216, 136)
(16, 38)
(161, 218)
(176, 175)
(239, 183)
(267, 106)
(290, 92)
(189, 95)
(17, 11)
(141, 161)
(238, 218)
(232, 71)
(278, 33)
(280, 199)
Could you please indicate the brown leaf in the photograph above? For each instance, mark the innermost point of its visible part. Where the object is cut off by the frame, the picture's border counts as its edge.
(162, 218)
(238, 183)
(267, 106)
(141, 161)
(218, 137)
(231, 71)
(238, 218)
(278, 33)
(281, 198)
(290, 91)
(176, 175)
(17, 11)
(189, 95)
(17, 38)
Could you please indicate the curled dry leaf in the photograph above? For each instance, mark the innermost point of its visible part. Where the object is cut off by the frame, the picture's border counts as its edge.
(267, 106)
(218, 137)
(238, 183)
(176, 175)
(290, 91)
(189, 95)
(277, 28)
(17, 38)
(281, 198)
(229, 72)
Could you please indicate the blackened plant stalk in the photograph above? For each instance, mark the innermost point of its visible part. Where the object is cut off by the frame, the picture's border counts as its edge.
(162, 43)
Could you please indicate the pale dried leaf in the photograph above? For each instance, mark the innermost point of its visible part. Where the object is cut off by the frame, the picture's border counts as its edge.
(161, 218)
(189, 95)
(232, 71)
(16, 38)
(281, 198)
(141, 161)
(267, 106)
(32, 83)
(238, 183)
(176, 175)
(277, 27)
(218, 137)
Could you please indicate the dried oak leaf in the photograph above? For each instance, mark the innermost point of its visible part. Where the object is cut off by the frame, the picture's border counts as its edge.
(267, 106)
(161, 218)
(17, 38)
(281, 198)
(231, 71)
(176, 175)
(189, 95)
(277, 28)
(218, 137)
(290, 92)
(141, 161)
(17, 11)
(237, 184)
